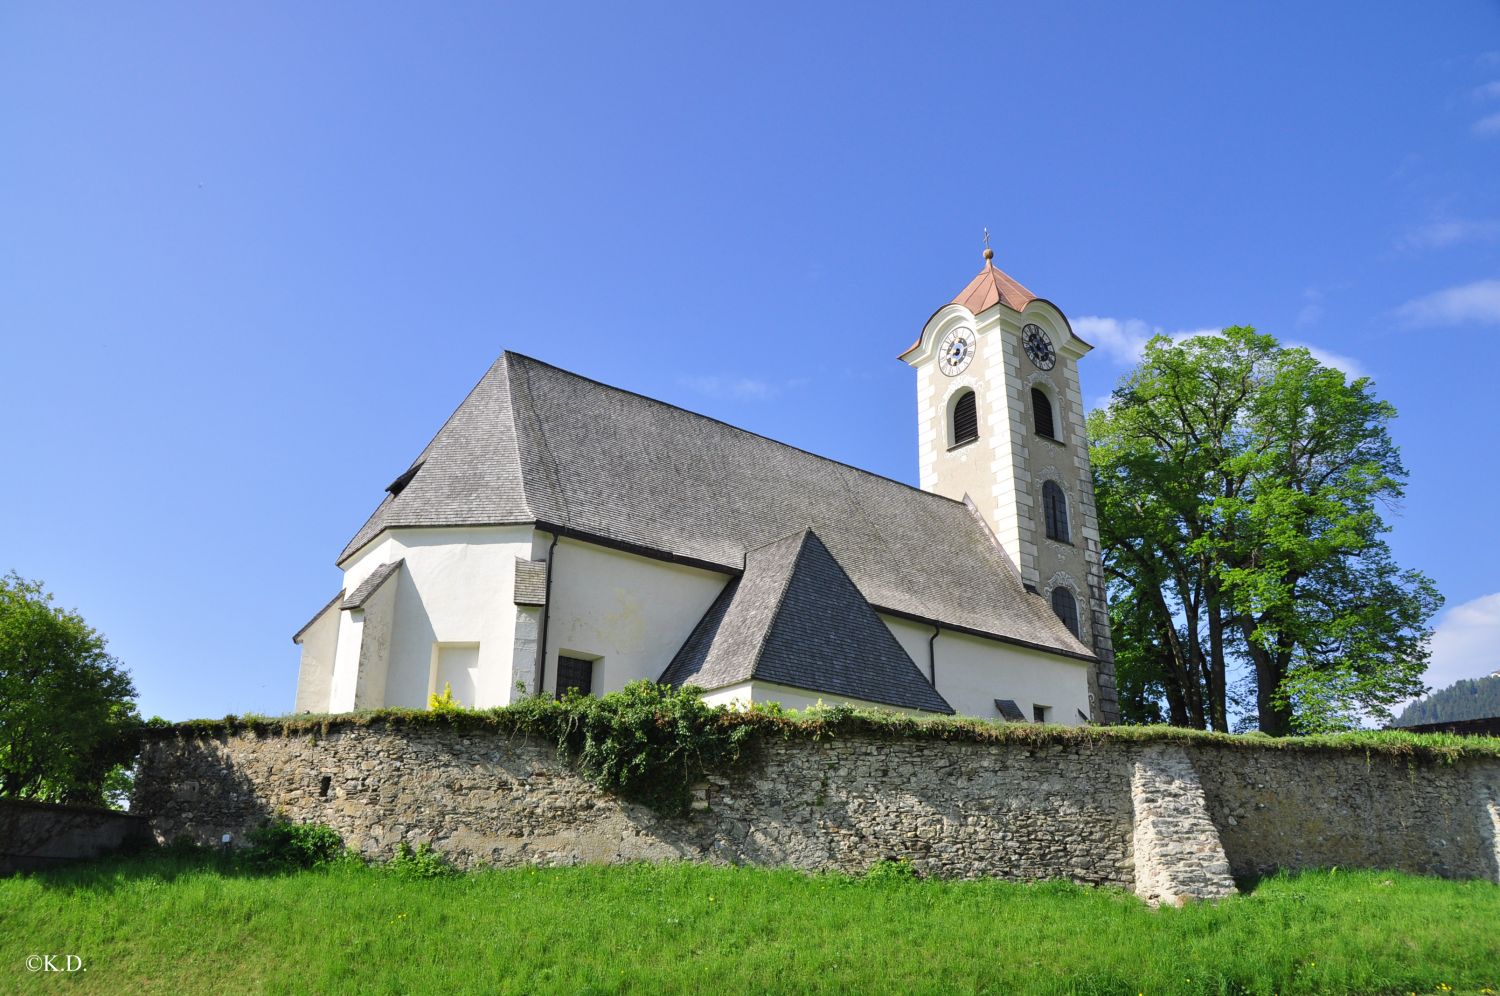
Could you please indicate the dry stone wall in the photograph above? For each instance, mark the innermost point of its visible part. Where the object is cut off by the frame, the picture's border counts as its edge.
(1169, 821)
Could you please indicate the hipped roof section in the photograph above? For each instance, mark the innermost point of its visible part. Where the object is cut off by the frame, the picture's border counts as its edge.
(536, 444)
(794, 618)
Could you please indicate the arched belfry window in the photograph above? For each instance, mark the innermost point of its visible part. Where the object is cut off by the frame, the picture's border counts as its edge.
(1055, 510)
(965, 419)
(1066, 608)
(1041, 412)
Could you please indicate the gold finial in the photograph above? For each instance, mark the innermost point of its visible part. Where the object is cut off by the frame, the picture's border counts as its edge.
(989, 253)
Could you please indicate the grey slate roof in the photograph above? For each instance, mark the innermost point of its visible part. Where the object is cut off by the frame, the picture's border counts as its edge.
(533, 443)
(794, 618)
(531, 582)
(371, 584)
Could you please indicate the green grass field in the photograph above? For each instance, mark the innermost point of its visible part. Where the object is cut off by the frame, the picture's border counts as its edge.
(189, 925)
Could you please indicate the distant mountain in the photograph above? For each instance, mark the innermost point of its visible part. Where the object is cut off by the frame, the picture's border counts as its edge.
(1476, 698)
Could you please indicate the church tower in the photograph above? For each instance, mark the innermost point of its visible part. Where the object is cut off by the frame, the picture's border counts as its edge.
(1000, 425)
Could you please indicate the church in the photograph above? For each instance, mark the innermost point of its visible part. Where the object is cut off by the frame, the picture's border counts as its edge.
(561, 534)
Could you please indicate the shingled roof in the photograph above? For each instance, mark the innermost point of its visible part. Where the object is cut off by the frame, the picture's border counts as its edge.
(993, 286)
(536, 444)
(794, 618)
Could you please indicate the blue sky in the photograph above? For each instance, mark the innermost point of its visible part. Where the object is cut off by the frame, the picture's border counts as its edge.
(252, 256)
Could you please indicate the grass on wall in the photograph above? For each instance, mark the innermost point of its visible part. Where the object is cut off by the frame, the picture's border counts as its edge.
(194, 924)
(552, 719)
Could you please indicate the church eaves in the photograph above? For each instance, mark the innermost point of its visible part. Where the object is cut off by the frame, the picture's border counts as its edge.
(536, 444)
(794, 618)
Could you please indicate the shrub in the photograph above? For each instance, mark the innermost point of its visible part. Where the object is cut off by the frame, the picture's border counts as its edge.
(650, 742)
(892, 870)
(444, 702)
(423, 862)
(283, 844)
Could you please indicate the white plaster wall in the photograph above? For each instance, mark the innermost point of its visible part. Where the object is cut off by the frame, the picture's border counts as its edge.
(973, 672)
(458, 587)
(631, 613)
(346, 662)
(315, 674)
(742, 694)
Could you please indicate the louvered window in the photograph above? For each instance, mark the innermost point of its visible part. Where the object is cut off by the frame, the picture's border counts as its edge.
(1041, 407)
(965, 419)
(1055, 509)
(1066, 607)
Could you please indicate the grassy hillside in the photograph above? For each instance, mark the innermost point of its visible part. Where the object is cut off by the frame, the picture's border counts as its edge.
(190, 925)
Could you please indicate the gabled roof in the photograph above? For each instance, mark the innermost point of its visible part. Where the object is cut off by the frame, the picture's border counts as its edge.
(794, 618)
(536, 444)
(993, 286)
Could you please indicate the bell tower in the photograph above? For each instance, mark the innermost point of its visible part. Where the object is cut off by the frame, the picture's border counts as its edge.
(1000, 424)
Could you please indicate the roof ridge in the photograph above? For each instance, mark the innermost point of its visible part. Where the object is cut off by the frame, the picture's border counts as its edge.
(763, 639)
(730, 425)
(545, 459)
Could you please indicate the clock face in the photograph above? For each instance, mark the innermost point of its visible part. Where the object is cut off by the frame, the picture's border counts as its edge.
(956, 350)
(1038, 346)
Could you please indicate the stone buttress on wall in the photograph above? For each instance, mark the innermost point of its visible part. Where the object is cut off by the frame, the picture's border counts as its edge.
(1169, 821)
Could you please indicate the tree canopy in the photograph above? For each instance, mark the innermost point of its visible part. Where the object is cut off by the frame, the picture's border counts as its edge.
(68, 722)
(1240, 486)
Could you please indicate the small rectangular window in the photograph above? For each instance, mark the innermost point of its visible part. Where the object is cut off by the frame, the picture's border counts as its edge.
(574, 674)
(1039, 713)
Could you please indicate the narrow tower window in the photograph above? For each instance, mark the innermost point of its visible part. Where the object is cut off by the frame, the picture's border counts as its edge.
(1066, 608)
(1055, 509)
(1041, 407)
(965, 419)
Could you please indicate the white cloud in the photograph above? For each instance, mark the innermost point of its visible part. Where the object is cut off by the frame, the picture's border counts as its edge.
(1487, 127)
(1124, 340)
(1490, 91)
(1310, 314)
(1475, 303)
(1465, 642)
(740, 388)
(1441, 234)
(736, 388)
(1352, 367)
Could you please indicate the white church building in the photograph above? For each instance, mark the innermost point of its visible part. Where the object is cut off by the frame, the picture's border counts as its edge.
(558, 533)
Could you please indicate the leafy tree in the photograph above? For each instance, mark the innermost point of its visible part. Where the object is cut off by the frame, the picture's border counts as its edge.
(68, 722)
(1239, 486)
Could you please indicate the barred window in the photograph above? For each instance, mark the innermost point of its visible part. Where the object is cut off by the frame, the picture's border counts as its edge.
(1066, 608)
(1041, 409)
(1055, 509)
(574, 674)
(965, 419)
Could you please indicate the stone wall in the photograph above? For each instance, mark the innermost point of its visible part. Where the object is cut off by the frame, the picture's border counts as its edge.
(1170, 821)
(37, 835)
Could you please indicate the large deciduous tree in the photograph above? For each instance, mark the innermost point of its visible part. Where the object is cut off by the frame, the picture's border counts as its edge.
(1240, 486)
(67, 714)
